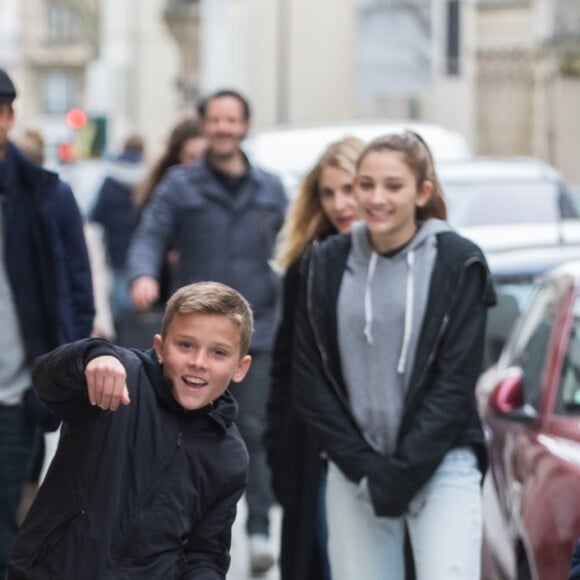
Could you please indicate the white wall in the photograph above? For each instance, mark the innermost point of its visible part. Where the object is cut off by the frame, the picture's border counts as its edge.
(133, 83)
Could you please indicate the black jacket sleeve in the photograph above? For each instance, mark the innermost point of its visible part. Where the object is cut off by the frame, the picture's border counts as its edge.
(77, 265)
(207, 555)
(58, 377)
(446, 405)
(280, 401)
(320, 403)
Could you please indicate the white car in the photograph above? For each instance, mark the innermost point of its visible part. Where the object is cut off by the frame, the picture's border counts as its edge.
(291, 150)
(511, 190)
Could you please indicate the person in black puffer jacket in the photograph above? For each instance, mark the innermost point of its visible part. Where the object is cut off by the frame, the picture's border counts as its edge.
(149, 466)
(324, 206)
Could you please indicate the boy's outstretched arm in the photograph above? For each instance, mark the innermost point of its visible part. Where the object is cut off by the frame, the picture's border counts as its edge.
(207, 554)
(61, 378)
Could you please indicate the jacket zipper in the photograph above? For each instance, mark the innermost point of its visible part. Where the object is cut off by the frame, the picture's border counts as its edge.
(149, 499)
(430, 359)
(342, 398)
(440, 333)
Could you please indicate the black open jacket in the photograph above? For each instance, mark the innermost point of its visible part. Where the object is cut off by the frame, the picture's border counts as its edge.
(439, 412)
(147, 491)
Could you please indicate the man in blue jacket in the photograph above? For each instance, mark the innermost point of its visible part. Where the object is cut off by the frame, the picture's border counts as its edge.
(222, 216)
(45, 300)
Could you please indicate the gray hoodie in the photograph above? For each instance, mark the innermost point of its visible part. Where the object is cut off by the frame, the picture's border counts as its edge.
(381, 306)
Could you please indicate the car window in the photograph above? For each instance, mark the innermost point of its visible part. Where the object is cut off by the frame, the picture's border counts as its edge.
(528, 347)
(568, 402)
(480, 203)
(512, 296)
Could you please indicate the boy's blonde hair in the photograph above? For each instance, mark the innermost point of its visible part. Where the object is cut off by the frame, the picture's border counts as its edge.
(211, 298)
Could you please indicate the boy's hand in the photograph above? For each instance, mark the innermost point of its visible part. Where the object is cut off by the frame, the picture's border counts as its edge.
(106, 382)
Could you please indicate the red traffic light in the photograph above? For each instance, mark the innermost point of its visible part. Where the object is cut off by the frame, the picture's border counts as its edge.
(76, 118)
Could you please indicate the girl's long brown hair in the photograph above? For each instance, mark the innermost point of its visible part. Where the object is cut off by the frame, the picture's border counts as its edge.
(188, 128)
(419, 159)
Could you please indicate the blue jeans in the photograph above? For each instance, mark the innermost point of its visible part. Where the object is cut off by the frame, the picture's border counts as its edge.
(16, 453)
(120, 298)
(321, 529)
(444, 519)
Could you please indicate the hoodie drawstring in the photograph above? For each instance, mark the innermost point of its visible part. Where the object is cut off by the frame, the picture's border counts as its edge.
(409, 302)
(408, 313)
(368, 299)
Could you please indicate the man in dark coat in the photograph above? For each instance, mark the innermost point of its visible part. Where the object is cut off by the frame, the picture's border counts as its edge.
(45, 300)
(222, 215)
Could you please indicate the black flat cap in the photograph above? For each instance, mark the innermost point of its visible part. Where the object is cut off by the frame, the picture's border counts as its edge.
(7, 88)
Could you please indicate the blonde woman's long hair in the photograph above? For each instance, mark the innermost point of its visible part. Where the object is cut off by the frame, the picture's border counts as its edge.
(306, 221)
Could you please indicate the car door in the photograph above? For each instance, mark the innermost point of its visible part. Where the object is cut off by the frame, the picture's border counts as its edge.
(531, 352)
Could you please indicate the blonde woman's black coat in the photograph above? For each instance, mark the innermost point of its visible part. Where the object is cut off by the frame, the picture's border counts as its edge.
(293, 453)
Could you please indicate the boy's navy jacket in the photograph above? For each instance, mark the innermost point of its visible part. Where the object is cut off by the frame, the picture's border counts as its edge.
(440, 411)
(147, 491)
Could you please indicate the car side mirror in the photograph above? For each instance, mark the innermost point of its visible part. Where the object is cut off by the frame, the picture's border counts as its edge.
(507, 399)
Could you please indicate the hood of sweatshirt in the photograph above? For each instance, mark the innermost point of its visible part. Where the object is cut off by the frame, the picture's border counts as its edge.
(127, 173)
(422, 242)
(381, 306)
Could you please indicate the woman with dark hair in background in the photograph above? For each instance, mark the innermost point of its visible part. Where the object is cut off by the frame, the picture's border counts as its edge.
(185, 145)
(324, 206)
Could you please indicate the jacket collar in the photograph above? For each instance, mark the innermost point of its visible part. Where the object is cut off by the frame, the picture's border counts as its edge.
(23, 174)
(251, 191)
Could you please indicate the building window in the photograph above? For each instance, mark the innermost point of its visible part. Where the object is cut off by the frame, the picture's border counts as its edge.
(452, 56)
(58, 92)
(393, 50)
(63, 24)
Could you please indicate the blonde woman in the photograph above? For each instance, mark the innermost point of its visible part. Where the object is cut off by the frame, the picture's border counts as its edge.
(324, 206)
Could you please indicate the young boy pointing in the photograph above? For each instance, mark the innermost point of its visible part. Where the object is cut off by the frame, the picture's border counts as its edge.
(149, 466)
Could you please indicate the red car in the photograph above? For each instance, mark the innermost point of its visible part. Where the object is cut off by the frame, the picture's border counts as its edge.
(530, 405)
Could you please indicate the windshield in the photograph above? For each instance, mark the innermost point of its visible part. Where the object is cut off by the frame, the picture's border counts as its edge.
(471, 204)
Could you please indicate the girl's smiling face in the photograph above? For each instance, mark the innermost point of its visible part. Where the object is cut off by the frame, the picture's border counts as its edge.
(387, 193)
(201, 356)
